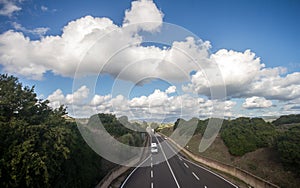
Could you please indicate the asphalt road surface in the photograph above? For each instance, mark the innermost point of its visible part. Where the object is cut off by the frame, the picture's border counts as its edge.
(163, 171)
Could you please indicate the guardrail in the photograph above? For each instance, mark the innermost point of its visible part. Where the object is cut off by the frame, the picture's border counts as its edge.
(247, 177)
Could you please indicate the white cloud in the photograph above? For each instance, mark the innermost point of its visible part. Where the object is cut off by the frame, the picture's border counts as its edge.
(44, 8)
(291, 107)
(143, 11)
(56, 99)
(276, 87)
(8, 7)
(238, 71)
(40, 31)
(98, 99)
(171, 89)
(156, 106)
(62, 54)
(245, 76)
(97, 44)
(77, 98)
(257, 102)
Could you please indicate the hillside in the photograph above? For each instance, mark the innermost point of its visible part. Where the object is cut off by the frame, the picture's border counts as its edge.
(264, 149)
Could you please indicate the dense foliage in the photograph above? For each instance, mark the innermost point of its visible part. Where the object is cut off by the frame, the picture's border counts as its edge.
(244, 135)
(38, 147)
(287, 119)
(288, 147)
(124, 131)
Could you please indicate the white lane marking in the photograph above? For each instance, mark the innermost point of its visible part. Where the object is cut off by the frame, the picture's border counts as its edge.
(211, 172)
(133, 172)
(203, 168)
(151, 158)
(186, 165)
(152, 185)
(151, 174)
(205, 186)
(151, 165)
(168, 164)
(179, 157)
(195, 176)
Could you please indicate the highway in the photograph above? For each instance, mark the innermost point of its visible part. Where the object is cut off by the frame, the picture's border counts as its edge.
(177, 171)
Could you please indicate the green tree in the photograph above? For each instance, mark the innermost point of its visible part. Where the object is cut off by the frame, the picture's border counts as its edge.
(287, 119)
(288, 147)
(38, 147)
(244, 135)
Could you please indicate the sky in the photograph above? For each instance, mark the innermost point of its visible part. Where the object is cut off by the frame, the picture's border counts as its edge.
(156, 60)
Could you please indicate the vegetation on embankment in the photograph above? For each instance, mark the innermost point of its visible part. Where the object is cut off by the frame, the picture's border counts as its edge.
(39, 147)
(264, 149)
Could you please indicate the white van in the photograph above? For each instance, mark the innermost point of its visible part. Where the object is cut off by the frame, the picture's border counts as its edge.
(154, 148)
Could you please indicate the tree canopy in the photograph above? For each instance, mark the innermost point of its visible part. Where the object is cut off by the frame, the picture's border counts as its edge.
(38, 146)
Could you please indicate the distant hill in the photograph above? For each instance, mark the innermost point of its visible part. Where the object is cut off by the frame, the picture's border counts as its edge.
(287, 119)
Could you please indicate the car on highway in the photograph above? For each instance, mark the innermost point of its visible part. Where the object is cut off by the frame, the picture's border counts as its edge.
(154, 148)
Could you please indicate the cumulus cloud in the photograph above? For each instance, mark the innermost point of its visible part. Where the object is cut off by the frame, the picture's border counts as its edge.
(245, 76)
(97, 45)
(9, 7)
(257, 102)
(171, 89)
(143, 11)
(62, 54)
(156, 106)
(77, 98)
(56, 99)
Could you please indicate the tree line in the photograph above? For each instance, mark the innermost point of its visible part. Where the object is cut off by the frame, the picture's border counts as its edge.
(243, 135)
(40, 148)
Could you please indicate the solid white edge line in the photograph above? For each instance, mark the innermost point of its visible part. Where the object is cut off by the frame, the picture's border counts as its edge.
(212, 173)
(196, 176)
(133, 171)
(168, 163)
(186, 165)
(203, 167)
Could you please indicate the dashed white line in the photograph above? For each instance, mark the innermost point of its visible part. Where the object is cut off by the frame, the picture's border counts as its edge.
(151, 165)
(186, 165)
(196, 176)
(179, 157)
(151, 158)
(152, 185)
(151, 174)
(211, 172)
(168, 163)
(202, 167)
(205, 186)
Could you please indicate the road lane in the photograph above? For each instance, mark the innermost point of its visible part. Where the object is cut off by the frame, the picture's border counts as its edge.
(177, 171)
(141, 177)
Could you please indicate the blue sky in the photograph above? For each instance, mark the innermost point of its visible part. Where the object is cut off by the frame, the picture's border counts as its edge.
(269, 29)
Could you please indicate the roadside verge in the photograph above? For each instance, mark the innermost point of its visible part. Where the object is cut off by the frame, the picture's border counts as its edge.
(247, 177)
